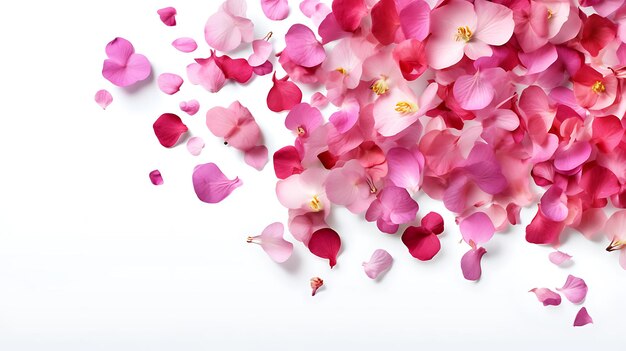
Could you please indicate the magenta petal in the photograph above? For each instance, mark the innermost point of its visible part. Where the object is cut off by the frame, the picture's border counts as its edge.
(574, 289)
(302, 46)
(168, 16)
(168, 129)
(185, 44)
(477, 228)
(433, 222)
(256, 157)
(284, 95)
(346, 118)
(380, 261)
(558, 257)
(191, 107)
(103, 98)
(287, 162)
(303, 119)
(169, 83)
(572, 157)
(124, 67)
(547, 297)
(155, 177)
(415, 20)
(273, 243)
(211, 185)
(349, 13)
(470, 263)
(276, 10)
(195, 145)
(422, 243)
(542, 230)
(582, 318)
(325, 243)
(554, 204)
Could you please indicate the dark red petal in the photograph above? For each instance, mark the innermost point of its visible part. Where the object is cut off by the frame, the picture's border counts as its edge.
(421, 242)
(349, 13)
(433, 222)
(168, 129)
(385, 21)
(235, 69)
(607, 132)
(284, 95)
(325, 243)
(287, 162)
(327, 159)
(597, 33)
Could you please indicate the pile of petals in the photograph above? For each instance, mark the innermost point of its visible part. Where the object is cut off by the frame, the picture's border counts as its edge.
(473, 103)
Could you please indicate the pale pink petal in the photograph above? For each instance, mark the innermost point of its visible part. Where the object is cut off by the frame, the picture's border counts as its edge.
(344, 119)
(308, 7)
(103, 98)
(473, 92)
(273, 243)
(256, 157)
(470, 263)
(302, 46)
(495, 22)
(405, 168)
(319, 100)
(235, 124)
(574, 289)
(303, 119)
(261, 51)
(477, 228)
(211, 185)
(477, 49)
(582, 318)
(169, 83)
(622, 258)
(168, 128)
(168, 16)
(207, 73)
(435, 46)
(276, 10)
(185, 44)
(155, 177)
(415, 20)
(380, 261)
(558, 257)
(547, 297)
(195, 145)
(226, 32)
(483, 168)
(554, 204)
(191, 107)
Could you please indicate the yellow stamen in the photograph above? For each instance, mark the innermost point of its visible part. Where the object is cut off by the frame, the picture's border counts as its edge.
(616, 245)
(315, 204)
(463, 33)
(598, 87)
(341, 70)
(406, 107)
(550, 13)
(380, 86)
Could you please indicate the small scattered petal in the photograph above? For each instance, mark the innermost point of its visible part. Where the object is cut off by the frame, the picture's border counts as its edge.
(211, 185)
(380, 261)
(195, 145)
(190, 107)
(574, 289)
(558, 257)
(547, 297)
(103, 98)
(582, 318)
(168, 129)
(169, 83)
(325, 243)
(185, 44)
(168, 16)
(316, 283)
(156, 178)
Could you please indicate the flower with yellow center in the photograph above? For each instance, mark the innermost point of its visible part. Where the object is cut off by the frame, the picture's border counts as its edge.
(315, 204)
(341, 70)
(380, 86)
(405, 107)
(464, 34)
(616, 244)
(598, 87)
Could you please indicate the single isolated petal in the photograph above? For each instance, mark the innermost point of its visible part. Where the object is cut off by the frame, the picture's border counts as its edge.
(103, 98)
(316, 283)
(190, 107)
(302, 46)
(575, 289)
(470, 263)
(169, 83)
(380, 261)
(156, 178)
(547, 297)
(185, 44)
(168, 16)
(195, 145)
(273, 243)
(124, 67)
(433, 222)
(211, 185)
(284, 95)
(558, 257)
(276, 10)
(421, 242)
(168, 129)
(477, 228)
(325, 243)
(582, 318)
(256, 157)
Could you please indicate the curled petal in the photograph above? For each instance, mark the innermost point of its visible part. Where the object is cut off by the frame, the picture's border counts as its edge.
(236, 69)
(168, 16)
(273, 243)
(558, 257)
(543, 230)
(261, 51)
(405, 168)
(572, 157)
(380, 261)
(169, 83)
(547, 297)
(574, 289)
(103, 98)
(470, 263)
(191, 107)
(325, 243)
(185, 44)
(316, 283)
(477, 228)
(155, 177)
(195, 145)
(582, 318)
(554, 204)
(168, 129)
(211, 185)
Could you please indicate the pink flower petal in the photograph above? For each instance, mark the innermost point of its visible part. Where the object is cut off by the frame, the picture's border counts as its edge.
(421, 242)
(276, 10)
(168, 16)
(433, 222)
(169, 83)
(582, 318)
(542, 230)
(236, 69)
(227, 28)
(325, 243)
(185, 44)
(473, 92)
(211, 185)
(346, 118)
(303, 119)
(380, 261)
(284, 95)
(235, 124)
(539, 60)
(385, 21)
(597, 33)
(572, 157)
(495, 22)
(477, 228)
(124, 67)
(575, 289)
(302, 46)
(191, 107)
(554, 204)
(415, 20)
(195, 145)
(103, 98)
(155, 177)
(349, 13)
(256, 157)
(483, 168)
(558, 257)
(287, 162)
(405, 168)
(316, 283)
(470, 263)
(547, 297)
(168, 129)
(265, 68)
(261, 51)
(273, 243)
(207, 73)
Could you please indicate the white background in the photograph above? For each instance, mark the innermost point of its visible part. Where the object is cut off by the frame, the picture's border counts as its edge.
(94, 257)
